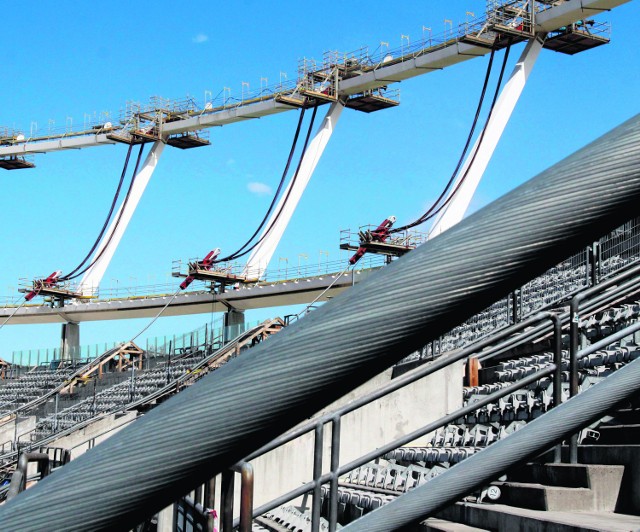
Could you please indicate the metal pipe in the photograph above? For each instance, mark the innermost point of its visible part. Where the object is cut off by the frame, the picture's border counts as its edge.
(226, 500)
(335, 464)
(19, 477)
(574, 340)
(246, 497)
(317, 473)
(557, 375)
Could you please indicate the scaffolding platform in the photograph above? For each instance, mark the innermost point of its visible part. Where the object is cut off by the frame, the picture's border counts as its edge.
(56, 293)
(125, 139)
(187, 141)
(292, 100)
(380, 248)
(146, 134)
(15, 163)
(220, 277)
(396, 245)
(485, 40)
(370, 102)
(573, 41)
(320, 96)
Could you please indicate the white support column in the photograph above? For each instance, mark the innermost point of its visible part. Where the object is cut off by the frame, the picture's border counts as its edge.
(91, 280)
(261, 255)
(455, 210)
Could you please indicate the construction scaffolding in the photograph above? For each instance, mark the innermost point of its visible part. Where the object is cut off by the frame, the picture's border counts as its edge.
(395, 245)
(504, 22)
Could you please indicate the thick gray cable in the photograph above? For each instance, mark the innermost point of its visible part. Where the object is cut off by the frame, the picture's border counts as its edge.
(24, 301)
(246, 403)
(487, 465)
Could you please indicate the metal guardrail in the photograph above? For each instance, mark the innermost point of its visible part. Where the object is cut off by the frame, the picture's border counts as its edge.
(532, 328)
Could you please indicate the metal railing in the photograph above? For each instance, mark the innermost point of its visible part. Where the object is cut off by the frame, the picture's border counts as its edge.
(533, 328)
(317, 427)
(507, 13)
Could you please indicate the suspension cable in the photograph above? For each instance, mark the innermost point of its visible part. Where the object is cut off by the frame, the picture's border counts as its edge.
(279, 189)
(477, 149)
(157, 315)
(237, 254)
(436, 206)
(24, 302)
(108, 219)
(306, 309)
(76, 273)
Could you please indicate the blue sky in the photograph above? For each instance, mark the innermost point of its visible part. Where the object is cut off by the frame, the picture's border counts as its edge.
(67, 59)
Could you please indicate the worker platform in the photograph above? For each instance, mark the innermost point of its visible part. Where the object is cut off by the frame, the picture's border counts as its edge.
(578, 37)
(125, 138)
(144, 135)
(55, 294)
(15, 163)
(219, 278)
(186, 141)
(374, 100)
(396, 245)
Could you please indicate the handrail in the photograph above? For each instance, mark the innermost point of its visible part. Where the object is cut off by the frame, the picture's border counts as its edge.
(574, 338)
(395, 384)
(337, 472)
(334, 417)
(528, 335)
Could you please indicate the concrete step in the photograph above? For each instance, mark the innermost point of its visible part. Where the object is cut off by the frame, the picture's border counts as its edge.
(619, 435)
(625, 416)
(602, 483)
(503, 518)
(541, 497)
(433, 524)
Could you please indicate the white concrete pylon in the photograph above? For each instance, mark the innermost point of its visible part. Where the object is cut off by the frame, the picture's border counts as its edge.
(457, 207)
(93, 276)
(262, 253)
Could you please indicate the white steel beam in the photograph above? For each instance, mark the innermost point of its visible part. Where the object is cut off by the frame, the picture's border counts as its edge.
(481, 153)
(93, 276)
(262, 253)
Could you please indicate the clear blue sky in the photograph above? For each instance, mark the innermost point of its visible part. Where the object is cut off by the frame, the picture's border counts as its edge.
(67, 59)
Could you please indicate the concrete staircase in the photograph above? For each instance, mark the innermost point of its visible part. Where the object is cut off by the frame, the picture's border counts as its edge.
(550, 497)
(561, 487)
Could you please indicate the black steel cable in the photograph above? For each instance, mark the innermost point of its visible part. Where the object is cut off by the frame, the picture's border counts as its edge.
(477, 147)
(480, 468)
(468, 141)
(237, 254)
(117, 222)
(437, 207)
(278, 190)
(108, 219)
(277, 384)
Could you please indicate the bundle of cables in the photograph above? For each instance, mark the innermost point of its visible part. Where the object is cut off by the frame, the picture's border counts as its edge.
(450, 190)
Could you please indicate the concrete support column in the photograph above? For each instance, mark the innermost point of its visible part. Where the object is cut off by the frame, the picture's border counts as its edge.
(70, 342)
(233, 322)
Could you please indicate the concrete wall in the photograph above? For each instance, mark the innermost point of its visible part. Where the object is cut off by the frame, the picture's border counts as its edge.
(84, 439)
(8, 430)
(362, 431)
